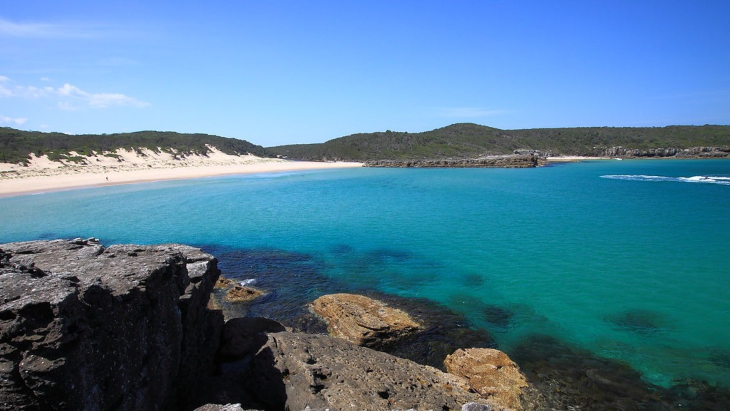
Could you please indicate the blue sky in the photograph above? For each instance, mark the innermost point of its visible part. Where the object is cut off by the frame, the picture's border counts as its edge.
(285, 72)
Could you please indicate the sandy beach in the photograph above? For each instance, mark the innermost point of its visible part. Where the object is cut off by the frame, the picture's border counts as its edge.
(128, 167)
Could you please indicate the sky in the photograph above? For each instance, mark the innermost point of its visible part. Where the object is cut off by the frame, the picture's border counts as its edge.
(289, 72)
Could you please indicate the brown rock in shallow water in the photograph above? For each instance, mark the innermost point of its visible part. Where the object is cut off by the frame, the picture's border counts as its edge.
(239, 294)
(362, 320)
(224, 282)
(491, 373)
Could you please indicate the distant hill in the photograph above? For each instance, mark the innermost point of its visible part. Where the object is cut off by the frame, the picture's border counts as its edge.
(473, 140)
(16, 145)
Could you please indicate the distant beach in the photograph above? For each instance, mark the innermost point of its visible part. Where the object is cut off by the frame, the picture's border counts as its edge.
(128, 167)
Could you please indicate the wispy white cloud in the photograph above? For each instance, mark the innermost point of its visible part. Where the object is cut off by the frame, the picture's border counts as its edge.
(15, 121)
(69, 96)
(52, 30)
(45, 79)
(467, 112)
(99, 100)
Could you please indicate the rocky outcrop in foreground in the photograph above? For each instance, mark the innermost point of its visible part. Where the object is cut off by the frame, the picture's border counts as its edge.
(294, 371)
(504, 161)
(84, 327)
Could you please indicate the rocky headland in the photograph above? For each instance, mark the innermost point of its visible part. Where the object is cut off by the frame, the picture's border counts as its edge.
(668, 152)
(126, 327)
(501, 161)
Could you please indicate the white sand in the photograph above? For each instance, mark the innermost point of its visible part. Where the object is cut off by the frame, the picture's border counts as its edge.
(43, 175)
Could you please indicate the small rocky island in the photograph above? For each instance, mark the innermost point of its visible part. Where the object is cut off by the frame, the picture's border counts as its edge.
(126, 327)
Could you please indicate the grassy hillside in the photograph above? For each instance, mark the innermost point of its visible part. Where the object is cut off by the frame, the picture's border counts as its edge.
(472, 140)
(16, 145)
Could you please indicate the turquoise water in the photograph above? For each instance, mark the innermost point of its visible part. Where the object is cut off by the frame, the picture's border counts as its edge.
(628, 259)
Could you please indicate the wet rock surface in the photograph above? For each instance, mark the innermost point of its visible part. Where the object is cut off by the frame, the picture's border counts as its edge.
(240, 293)
(88, 327)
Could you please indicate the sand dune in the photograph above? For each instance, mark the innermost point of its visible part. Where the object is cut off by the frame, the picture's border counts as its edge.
(127, 166)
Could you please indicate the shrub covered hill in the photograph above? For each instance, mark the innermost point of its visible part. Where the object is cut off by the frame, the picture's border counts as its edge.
(473, 140)
(17, 145)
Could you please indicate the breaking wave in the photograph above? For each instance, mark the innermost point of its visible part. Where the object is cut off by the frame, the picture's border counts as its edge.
(696, 179)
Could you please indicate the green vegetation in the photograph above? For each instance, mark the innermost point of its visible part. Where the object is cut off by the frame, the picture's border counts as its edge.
(16, 145)
(464, 140)
(473, 140)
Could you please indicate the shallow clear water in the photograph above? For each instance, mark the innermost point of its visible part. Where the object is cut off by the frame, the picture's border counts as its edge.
(628, 259)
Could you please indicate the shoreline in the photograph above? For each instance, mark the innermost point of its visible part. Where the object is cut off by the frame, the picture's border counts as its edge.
(574, 159)
(62, 179)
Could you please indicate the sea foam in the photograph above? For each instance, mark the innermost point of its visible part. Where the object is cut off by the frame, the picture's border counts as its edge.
(695, 179)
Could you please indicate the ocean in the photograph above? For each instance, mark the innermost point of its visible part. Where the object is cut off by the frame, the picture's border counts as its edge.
(627, 260)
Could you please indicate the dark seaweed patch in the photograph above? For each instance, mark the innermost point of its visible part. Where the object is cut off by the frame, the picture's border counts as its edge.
(720, 358)
(342, 249)
(566, 377)
(497, 316)
(644, 322)
(381, 255)
(473, 280)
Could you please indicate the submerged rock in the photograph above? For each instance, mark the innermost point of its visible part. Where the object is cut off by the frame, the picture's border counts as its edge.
(239, 294)
(362, 320)
(639, 321)
(491, 373)
(224, 282)
(124, 327)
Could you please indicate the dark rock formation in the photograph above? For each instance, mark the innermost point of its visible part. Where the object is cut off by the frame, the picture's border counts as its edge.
(504, 161)
(88, 327)
(295, 371)
(362, 320)
(241, 336)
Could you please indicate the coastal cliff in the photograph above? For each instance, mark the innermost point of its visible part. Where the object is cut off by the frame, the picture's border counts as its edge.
(85, 327)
